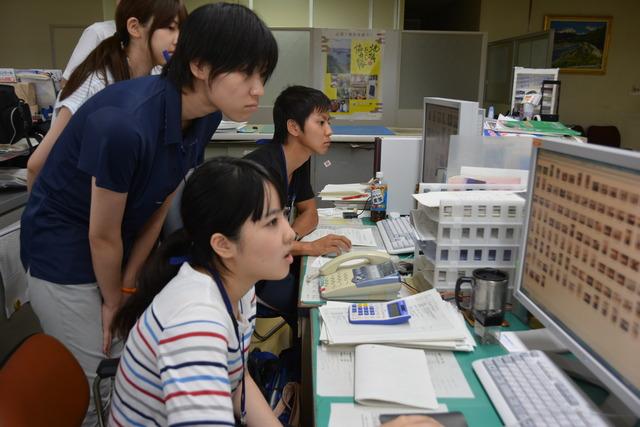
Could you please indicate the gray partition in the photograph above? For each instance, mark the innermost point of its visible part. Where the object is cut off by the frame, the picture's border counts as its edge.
(531, 50)
(415, 64)
(294, 67)
(444, 64)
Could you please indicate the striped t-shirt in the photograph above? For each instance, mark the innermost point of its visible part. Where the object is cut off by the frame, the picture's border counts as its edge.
(93, 84)
(181, 363)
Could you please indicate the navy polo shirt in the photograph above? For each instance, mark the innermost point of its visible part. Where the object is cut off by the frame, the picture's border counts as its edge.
(129, 137)
(271, 157)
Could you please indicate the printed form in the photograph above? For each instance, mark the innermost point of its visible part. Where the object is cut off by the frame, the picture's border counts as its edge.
(335, 373)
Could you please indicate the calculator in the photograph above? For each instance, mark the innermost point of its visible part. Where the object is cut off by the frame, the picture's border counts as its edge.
(382, 313)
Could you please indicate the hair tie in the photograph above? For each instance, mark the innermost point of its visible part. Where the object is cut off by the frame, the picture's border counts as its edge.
(179, 260)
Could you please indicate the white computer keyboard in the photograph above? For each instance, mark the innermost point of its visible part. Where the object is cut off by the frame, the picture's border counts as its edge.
(528, 389)
(398, 235)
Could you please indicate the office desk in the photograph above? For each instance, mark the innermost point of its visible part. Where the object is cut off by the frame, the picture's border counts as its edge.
(304, 305)
(12, 203)
(478, 411)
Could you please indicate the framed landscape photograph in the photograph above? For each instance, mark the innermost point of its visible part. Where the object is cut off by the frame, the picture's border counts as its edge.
(580, 43)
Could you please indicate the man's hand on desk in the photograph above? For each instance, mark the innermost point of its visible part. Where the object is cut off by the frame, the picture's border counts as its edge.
(412, 421)
(331, 243)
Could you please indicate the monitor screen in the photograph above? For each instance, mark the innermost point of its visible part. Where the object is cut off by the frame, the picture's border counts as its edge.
(440, 122)
(443, 118)
(580, 269)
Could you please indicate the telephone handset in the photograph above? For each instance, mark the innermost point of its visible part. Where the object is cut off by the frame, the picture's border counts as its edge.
(368, 257)
(375, 278)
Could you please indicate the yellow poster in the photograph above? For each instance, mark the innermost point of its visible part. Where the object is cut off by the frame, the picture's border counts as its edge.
(352, 78)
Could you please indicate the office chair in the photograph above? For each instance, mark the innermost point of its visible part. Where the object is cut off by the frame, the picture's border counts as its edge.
(107, 369)
(604, 135)
(42, 384)
(264, 312)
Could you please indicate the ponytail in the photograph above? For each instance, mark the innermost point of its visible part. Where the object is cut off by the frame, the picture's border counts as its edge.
(108, 56)
(162, 266)
(203, 215)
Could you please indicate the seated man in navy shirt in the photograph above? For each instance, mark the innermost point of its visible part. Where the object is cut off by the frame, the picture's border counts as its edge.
(301, 121)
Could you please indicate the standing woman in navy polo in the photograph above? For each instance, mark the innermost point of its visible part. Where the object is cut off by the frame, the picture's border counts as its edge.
(96, 211)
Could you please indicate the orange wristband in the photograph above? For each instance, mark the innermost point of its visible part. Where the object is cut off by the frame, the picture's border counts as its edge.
(128, 290)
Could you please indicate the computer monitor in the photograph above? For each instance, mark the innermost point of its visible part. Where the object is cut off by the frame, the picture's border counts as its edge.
(580, 268)
(443, 118)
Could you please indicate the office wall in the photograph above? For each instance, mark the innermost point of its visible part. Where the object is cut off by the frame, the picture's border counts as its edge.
(283, 13)
(26, 28)
(585, 99)
(42, 33)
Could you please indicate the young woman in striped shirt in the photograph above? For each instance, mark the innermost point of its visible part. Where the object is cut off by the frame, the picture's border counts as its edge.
(189, 325)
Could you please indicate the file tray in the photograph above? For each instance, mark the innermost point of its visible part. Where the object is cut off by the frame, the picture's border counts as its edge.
(472, 206)
(426, 275)
(490, 233)
(442, 255)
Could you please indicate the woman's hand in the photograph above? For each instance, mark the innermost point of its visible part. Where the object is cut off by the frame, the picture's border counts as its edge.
(108, 313)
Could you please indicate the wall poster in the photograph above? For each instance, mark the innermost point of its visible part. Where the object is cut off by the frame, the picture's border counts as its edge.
(352, 65)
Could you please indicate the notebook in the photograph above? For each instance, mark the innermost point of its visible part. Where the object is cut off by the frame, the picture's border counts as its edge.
(405, 382)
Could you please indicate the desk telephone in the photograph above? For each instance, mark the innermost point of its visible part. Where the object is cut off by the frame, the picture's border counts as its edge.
(377, 279)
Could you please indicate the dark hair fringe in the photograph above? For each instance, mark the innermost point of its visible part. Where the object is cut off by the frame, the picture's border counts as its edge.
(227, 37)
(296, 103)
(211, 203)
(110, 55)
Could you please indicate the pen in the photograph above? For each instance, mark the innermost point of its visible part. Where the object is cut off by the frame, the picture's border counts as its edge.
(357, 196)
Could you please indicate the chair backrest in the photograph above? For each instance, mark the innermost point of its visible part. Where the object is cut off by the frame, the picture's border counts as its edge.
(604, 135)
(42, 384)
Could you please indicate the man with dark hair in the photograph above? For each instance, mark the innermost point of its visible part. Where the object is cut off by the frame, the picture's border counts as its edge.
(301, 120)
(96, 210)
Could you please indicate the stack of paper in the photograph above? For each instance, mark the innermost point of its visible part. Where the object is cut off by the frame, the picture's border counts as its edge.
(340, 191)
(360, 236)
(531, 127)
(406, 381)
(346, 196)
(434, 324)
(230, 126)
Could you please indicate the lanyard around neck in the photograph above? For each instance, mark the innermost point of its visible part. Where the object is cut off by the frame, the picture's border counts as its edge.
(289, 190)
(236, 329)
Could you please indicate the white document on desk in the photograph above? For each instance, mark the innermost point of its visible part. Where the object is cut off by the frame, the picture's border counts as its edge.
(352, 415)
(387, 375)
(310, 293)
(335, 370)
(359, 236)
(430, 320)
(446, 376)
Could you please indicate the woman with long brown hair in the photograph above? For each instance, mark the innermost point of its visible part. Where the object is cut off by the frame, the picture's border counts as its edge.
(146, 34)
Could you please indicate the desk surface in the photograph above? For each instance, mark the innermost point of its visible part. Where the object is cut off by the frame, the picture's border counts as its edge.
(341, 133)
(478, 411)
(12, 199)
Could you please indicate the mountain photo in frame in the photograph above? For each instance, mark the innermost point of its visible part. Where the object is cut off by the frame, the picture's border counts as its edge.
(580, 44)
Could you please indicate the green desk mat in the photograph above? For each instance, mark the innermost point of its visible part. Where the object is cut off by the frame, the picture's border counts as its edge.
(478, 411)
